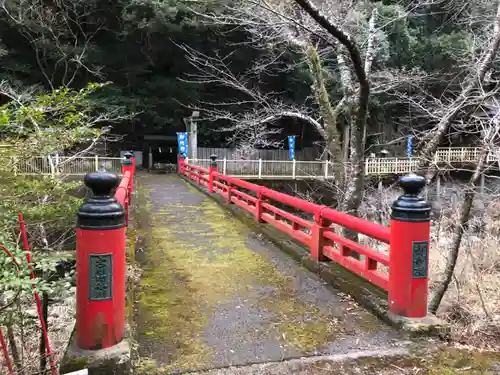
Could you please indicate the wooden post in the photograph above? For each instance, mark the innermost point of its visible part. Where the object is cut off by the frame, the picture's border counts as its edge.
(294, 169)
(326, 169)
(150, 159)
(96, 162)
(260, 169)
(51, 166)
(14, 160)
(56, 164)
(224, 166)
(193, 135)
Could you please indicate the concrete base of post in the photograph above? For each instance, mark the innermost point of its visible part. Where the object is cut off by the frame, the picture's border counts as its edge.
(429, 325)
(109, 361)
(367, 295)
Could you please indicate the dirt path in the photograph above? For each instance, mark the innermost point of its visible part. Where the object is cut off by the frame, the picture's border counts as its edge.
(214, 294)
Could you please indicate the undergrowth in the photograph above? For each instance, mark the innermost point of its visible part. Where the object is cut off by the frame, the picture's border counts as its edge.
(472, 302)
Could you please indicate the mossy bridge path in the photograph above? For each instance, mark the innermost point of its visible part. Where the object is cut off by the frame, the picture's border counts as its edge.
(214, 294)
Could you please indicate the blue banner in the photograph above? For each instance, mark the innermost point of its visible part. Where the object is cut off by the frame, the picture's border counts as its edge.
(291, 146)
(409, 148)
(182, 141)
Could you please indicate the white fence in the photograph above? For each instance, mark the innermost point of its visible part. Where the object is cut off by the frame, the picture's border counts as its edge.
(65, 165)
(308, 153)
(270, 169)
(296, 169)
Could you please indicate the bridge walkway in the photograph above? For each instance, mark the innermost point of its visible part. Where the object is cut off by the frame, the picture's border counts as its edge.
(214, 294)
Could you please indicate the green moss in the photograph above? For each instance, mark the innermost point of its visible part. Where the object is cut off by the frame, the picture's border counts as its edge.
(74, 364)
(186, 275)
(460, 360)
(185, 279)
(441, 360)
(289, 311)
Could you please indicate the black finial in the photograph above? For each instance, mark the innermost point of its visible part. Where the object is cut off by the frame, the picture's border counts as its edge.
(213, 162)
(101, 183)
(412, 184)
(410, 206)
(101, 210)
(127, 158)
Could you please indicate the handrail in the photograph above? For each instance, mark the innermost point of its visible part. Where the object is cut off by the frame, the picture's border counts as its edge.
(121, 191)
(404, 275)
(262, 201)
(373, 230)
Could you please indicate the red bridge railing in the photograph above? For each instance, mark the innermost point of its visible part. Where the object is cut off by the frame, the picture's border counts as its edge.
(100, 257)
(402, 271)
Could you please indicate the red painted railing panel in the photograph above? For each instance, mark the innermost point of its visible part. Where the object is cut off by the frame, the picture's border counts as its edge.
(373, 230)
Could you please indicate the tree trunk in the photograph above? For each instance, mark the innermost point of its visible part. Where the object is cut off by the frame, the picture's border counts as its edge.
(458, 235)
(474, 80)
(329, 114)
(355, 183)
(14, 350)
(42, 348)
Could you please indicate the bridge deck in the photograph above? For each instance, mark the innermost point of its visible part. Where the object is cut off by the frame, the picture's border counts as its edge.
(213, 294)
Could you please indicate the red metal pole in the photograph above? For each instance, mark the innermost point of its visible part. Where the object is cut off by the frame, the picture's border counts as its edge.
(100, 265)
(5, 353)
(3, 344)
(38, 302)
(409, 251)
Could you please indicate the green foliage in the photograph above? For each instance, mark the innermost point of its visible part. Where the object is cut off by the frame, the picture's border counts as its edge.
(34, 126)
(49, 122)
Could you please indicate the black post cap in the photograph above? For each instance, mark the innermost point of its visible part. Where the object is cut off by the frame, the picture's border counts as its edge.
(127, 158)
(410, 206)
(213, 162)
(101, 210)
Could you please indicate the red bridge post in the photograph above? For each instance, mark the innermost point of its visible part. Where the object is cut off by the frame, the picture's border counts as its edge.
(318, 239)
(134, 166)
(409, 252)
(100, 265)
(128, 166)
(180, 164)
(258, 205)
(211, 170)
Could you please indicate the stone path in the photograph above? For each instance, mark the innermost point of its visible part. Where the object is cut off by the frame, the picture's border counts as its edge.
(214, 294)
